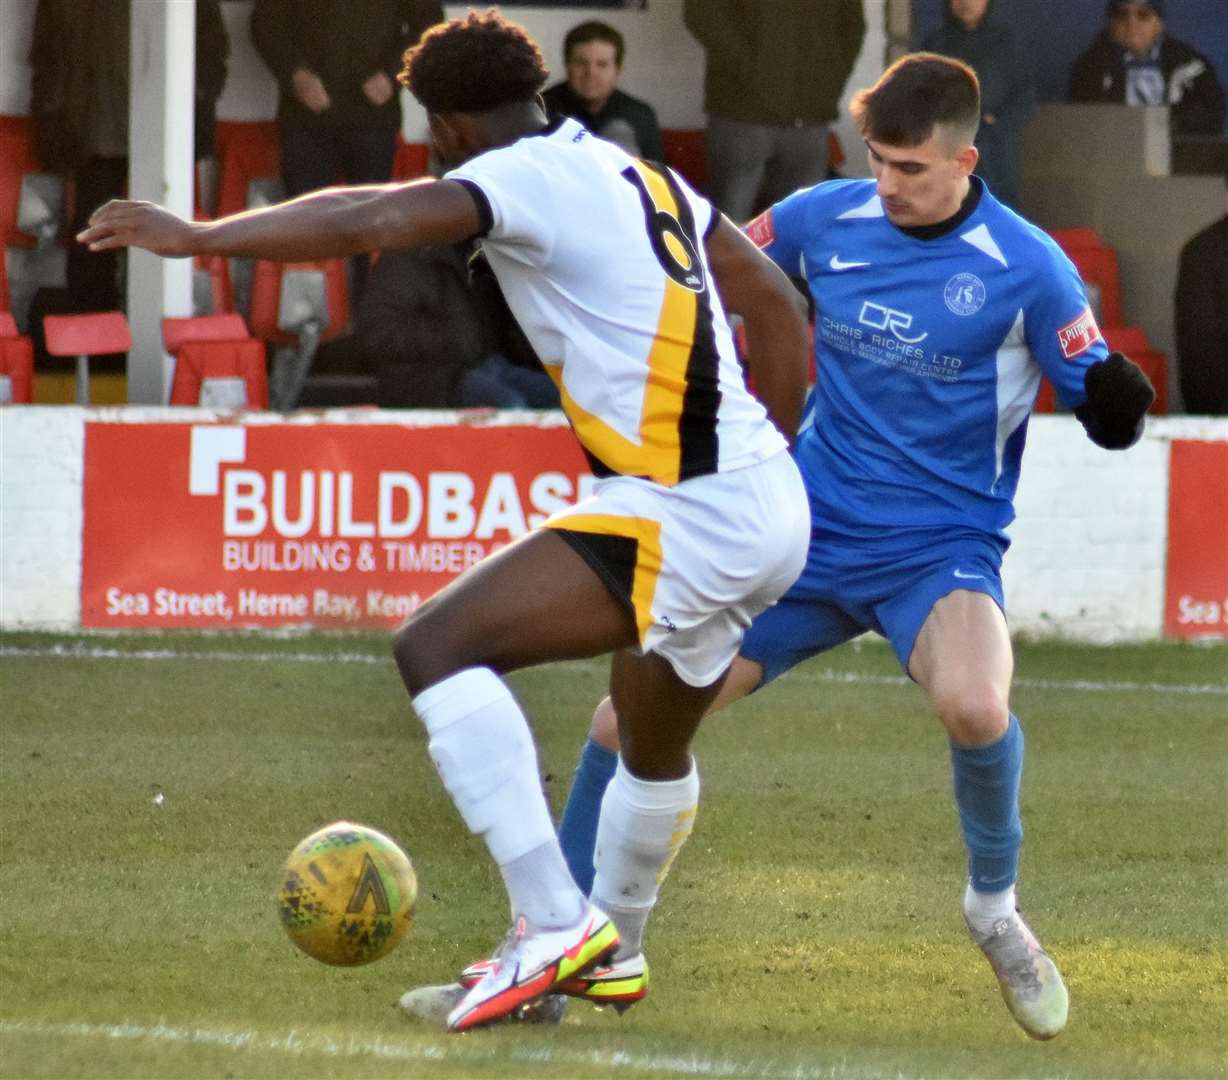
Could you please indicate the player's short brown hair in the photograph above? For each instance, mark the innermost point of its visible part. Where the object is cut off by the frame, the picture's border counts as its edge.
(474, 64)
(914, 95)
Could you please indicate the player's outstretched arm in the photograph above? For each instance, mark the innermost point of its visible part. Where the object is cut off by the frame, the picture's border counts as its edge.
(324, 224)
(1118, 397)
(774, 313)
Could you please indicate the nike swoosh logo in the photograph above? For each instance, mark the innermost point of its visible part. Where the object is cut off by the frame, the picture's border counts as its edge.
(574, 951)
(838, 263)
(967, 577)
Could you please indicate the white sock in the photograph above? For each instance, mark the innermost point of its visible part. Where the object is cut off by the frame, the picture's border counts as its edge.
(643, 825)
(483, 750)
(983, 909)
(538, 887)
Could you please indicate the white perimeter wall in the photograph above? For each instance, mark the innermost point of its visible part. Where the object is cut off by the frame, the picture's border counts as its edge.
(1087, 560)
(664, 64)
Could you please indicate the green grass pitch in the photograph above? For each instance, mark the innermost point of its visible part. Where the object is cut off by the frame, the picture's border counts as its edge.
(810, 929)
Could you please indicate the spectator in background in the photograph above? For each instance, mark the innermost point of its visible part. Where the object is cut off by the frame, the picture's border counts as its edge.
(969, 33)
(774, 75)
(1202, 320)
(339, 108)
(1134, 62)
(79, 103)
(593, 54)
(439, 336)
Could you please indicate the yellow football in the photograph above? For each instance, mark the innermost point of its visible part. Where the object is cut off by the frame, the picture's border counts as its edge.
(347, 894)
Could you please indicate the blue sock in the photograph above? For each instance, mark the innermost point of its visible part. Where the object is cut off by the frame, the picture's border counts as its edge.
(578, 829)
(987, 795)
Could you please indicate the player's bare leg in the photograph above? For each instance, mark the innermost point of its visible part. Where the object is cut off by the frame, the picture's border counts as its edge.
(535, 601)
(963, 660)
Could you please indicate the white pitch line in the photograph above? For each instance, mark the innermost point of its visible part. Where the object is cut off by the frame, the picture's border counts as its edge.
(294, 1042)
(826, 675)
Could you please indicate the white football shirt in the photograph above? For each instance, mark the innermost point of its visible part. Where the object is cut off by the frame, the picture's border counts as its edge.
(601, 258)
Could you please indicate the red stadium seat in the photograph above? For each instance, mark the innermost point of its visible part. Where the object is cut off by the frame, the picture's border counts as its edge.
(270, 319)
(1155, 364)
(1076, 239)
(176, 331)
(297, 307)
(411, 160)
(1046, 399)
(6, 303)
(83, 336)
(221, 374)
(246, 151)
(1096, 262)
(217, 362)
(684, 153)
(16, 159)
(1126, 339)
(16, 364)
(1132, 340)
(1098, 266)
(16, 371)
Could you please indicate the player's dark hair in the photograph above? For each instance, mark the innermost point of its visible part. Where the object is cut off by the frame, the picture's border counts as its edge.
(916, 93)
(593, 30)
(473, 65)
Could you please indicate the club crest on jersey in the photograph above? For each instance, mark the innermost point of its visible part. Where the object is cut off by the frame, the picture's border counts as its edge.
(761, 231)
(964, 294)
(1075, 338)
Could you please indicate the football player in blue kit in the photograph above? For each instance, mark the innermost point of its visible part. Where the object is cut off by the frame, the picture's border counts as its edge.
(937, 312)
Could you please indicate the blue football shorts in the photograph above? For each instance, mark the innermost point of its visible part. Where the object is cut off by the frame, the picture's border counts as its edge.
(888, 586)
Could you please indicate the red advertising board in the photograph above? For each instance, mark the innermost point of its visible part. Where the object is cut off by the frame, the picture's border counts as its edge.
(1196, 602)
(285, 524)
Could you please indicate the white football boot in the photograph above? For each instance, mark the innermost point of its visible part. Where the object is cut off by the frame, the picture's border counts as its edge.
(1031, 985)
(530, 965)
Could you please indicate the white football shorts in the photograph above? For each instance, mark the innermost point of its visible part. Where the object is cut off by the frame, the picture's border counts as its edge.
(695, 562)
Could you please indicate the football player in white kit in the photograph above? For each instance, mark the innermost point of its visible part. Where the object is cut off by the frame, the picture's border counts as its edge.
(619, 275)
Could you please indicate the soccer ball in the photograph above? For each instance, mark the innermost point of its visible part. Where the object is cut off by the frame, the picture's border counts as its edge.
(347, 894)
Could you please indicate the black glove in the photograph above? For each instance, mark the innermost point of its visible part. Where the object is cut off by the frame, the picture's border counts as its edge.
(1118, 397)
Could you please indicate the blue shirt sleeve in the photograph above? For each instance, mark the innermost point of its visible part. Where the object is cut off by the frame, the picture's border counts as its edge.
(781, 231)
(1060, 329)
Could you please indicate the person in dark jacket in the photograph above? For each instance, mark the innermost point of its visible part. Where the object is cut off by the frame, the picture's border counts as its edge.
(79, 59)
(969, 33)
(335, 64)
(1202, 320)
(774, 75)
(593, 53)
(435, 327)
(1134, 62)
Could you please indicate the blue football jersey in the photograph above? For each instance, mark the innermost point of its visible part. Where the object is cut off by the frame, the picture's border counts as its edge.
(930, 353)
